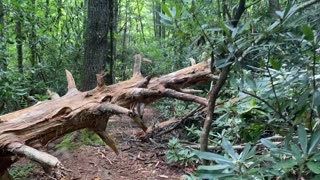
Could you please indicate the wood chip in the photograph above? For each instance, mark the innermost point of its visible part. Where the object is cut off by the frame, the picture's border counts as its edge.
(164, 176)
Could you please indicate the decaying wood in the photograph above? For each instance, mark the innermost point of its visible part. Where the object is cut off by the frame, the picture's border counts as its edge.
(169, 125)
(24, 130)
(174, 123)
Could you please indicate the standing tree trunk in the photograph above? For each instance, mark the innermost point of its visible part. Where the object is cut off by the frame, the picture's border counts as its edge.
(141, 24)
(112, 43)
(156, 19)
(32, 39)
(19, 43)
(274, 6)
(97, 48)
(162, 26)
(214, 93)
(3, 56)
(124, 42)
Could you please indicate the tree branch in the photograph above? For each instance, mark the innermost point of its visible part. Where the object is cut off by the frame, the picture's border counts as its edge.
(214, 93)
(265, 102)
(307, 4)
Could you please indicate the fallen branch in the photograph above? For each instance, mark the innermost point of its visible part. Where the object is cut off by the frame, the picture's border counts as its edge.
(22, 132)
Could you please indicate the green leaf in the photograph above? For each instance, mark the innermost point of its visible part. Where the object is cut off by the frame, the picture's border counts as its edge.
(214, 29)
(243, 27)
(223, 65)
(296, 152)
(225, 28)
(280, 13)
(314, 167)
(273, 26)
(165, 17)
(316, 157)
(275, 63)
(213, 175)
(287, 164)
(234, 33)
(244, 153)
(229, 149)
(317, 177)
(190, 177)
(303, 138)
(250, 81)
(222, 117)
(214, 157)
(308, 33)
(252, 152)
(316, 98)
(173, 12)
(314, 141)
(178, 10)
(214, 167)
(268, 144)
(166, 10)
(290, 10)
(166, 22)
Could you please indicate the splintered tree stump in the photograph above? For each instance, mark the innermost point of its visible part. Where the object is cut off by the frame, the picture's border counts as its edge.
(21, 132)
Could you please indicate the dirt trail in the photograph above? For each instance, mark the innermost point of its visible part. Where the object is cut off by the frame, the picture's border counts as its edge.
(137, 161)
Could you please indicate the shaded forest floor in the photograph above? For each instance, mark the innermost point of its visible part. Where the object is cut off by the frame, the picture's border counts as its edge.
(137, 160)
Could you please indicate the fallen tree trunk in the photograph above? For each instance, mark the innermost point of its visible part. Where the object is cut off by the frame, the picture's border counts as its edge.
(21, 132)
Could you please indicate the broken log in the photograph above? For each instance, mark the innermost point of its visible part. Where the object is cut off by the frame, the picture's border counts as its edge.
(21, 132)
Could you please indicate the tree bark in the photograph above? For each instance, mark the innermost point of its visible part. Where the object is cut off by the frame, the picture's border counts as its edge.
(162, 26)
(214, 93)
(274, 6)
(46, 121)
(141, 23)
(98, 48)
(124, 43)
(19, 42)
(157, 24)
(3, 57)
(32, 39)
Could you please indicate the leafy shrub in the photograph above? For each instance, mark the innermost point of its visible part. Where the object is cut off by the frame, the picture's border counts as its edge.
(174, 107)
(16, 87)
(88, 137)
(298, 158)
(67, 143)
(22, 172)
(178, 154)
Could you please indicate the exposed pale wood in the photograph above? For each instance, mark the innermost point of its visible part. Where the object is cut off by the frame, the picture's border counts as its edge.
(70, 80)
(53, 95)
(190, 91)
(108, 140)
(192, 61)
(137, 64)
(33, 154)
(49, 120)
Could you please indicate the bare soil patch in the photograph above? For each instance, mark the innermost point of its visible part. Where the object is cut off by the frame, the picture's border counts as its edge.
(138, 160)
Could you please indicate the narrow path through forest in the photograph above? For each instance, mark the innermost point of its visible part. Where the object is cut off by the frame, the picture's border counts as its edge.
(138, 160)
